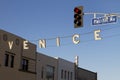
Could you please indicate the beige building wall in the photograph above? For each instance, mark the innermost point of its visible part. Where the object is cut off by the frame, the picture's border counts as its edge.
(16, 63)
(46, 67)
(65, 70)
(83, 74)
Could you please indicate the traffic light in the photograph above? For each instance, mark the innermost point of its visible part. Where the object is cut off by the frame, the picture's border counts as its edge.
(78, 16)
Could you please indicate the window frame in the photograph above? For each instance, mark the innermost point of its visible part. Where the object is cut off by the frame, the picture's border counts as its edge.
(9, 59)
(6, 63)
(25, 64)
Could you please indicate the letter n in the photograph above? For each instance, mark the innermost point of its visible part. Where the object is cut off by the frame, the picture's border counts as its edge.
(42, 43)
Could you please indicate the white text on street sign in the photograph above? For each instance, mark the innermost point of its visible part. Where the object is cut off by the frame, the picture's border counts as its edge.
(104, 20)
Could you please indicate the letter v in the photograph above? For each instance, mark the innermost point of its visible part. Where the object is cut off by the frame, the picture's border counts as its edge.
(10, 43)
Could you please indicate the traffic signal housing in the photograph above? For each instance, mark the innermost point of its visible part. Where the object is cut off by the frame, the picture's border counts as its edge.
(78, 17)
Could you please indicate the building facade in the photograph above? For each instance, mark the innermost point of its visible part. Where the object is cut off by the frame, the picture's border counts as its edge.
(83, 74)
(46, 67)
(16, 63)
(65, 69)
(19, 60)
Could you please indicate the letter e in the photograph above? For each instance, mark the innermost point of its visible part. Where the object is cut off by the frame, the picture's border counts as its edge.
(25, 45)
(97, 35)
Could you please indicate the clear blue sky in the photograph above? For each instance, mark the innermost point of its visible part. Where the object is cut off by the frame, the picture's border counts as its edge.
(38, 19)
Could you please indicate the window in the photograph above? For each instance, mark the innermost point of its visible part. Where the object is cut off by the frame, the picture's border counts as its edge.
(62, 74)
(65, 74)
(5, 37)
(12, 61)
(6, 59)
(71, 76)
(42, 72)
(68, 75)
(49, 72)
(9, 57)
(24, 64)
(17, 42)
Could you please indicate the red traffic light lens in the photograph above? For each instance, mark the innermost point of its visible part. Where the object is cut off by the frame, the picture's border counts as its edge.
(76, 10)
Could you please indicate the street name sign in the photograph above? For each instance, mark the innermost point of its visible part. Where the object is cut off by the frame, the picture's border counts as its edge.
(104, 20)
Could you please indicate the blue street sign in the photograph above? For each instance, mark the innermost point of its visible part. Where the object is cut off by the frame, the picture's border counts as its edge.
(104, 20)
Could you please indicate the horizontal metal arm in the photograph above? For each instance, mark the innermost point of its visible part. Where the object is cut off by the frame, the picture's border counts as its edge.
(106, 14)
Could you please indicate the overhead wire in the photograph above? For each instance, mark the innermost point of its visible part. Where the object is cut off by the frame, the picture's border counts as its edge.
(87, 33)
(78, 33)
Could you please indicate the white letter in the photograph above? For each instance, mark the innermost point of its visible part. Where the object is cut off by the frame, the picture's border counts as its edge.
(10, 43)
(42, 43)
(58, 41)
(25, 45)
(96, 35)
(75, 38)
